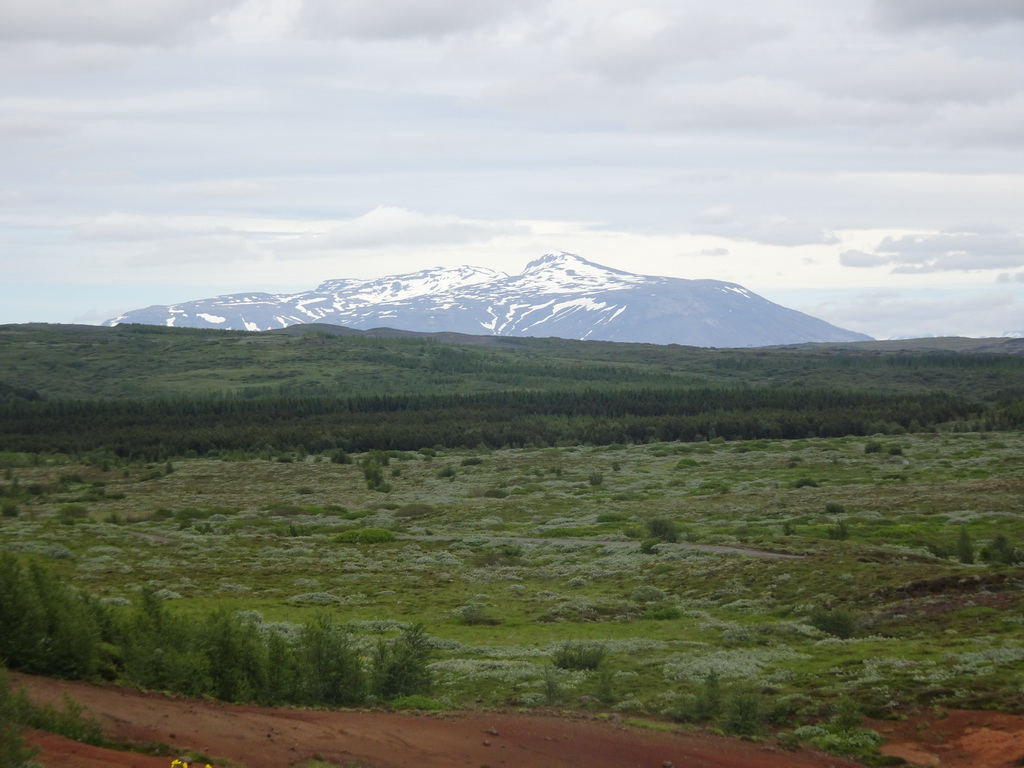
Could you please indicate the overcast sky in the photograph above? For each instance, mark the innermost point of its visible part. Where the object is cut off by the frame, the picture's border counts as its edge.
(862, 161)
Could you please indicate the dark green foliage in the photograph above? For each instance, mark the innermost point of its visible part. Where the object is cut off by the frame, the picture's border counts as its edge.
(13, 751)
(838, 622)
(708, 705)
(581, 393)
(663, 529)
(475, 614)
(744, 713)
(47, 628)
(965, 547)
(332, 672)
(399, 666)
(848, 715)
(579, 656)
(373, 473)
(339, 456)
(604, 685)
(840, 531)
(805, 482)
(365, 536)
(1002, 551)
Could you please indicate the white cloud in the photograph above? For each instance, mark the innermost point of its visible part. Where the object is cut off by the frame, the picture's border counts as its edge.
(126, 227)
(770, 229)
(909, 14)
(942, 252)
(27, 126)
(922, 75)
(395, 19)
(226, 189)
(125, 22)
(386, 227)
(906, 314)
(637, 41)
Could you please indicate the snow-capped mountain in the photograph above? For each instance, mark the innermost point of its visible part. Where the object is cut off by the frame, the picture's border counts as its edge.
(559, 294)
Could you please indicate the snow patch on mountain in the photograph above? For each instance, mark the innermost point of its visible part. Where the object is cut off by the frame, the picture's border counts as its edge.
(558, 294)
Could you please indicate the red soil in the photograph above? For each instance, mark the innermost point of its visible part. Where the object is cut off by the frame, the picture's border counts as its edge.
(256, 737)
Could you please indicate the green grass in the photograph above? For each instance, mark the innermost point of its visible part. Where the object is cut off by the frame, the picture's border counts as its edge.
(563, 563)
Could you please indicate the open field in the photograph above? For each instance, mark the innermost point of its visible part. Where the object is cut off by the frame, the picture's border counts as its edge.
(505, 556)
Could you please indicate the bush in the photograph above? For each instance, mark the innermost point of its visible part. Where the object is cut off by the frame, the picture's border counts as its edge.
(744, 713)
(840, 531)
(662, 528)
(805, 482)
(475, 614)
(400, 667)
(365, 536)
(837, 622)
(579, 656)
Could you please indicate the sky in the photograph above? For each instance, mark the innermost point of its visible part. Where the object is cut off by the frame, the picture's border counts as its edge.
(861, 161)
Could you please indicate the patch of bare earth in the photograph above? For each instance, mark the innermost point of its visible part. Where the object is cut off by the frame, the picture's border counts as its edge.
(256, 737)
(956, 739)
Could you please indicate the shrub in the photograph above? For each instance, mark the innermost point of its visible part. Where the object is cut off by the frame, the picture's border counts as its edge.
(649, 546)
(805, 482)
(365, 536)
(414, 510)
(579, 656)
(596, 478)
(744, 713)
(400, 667)
(838, 622)
(965, 547)
(663, 528)
(835, 508)
(872, 446)
(611, 517)
(475, 614)
(840, 531)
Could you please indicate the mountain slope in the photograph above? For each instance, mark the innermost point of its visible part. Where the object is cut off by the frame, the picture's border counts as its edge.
(559, 294)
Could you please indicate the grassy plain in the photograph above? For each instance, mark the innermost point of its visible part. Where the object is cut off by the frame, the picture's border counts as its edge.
(507, 555)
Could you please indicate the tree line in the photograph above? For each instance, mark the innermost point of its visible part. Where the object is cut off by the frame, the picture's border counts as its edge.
(168, 427)
(51, 629)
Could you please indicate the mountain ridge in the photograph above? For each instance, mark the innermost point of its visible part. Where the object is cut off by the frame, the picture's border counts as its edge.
(557, 294)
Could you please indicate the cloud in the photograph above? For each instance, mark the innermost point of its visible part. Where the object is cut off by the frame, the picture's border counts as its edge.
(223, 190)
(943, 252)
(912, 14)
(125, 227)
(986, 125)
(32, 127)
(10, 198)
(122, 22)
(397, 19)
(387, 227)
(894, 315)
(770, 229)
(920, 76)
(636, 41)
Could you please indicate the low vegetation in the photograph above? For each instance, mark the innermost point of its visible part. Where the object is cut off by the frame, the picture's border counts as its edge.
(768, 587)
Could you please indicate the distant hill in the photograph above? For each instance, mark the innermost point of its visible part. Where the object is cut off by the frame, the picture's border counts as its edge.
(558, 295)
